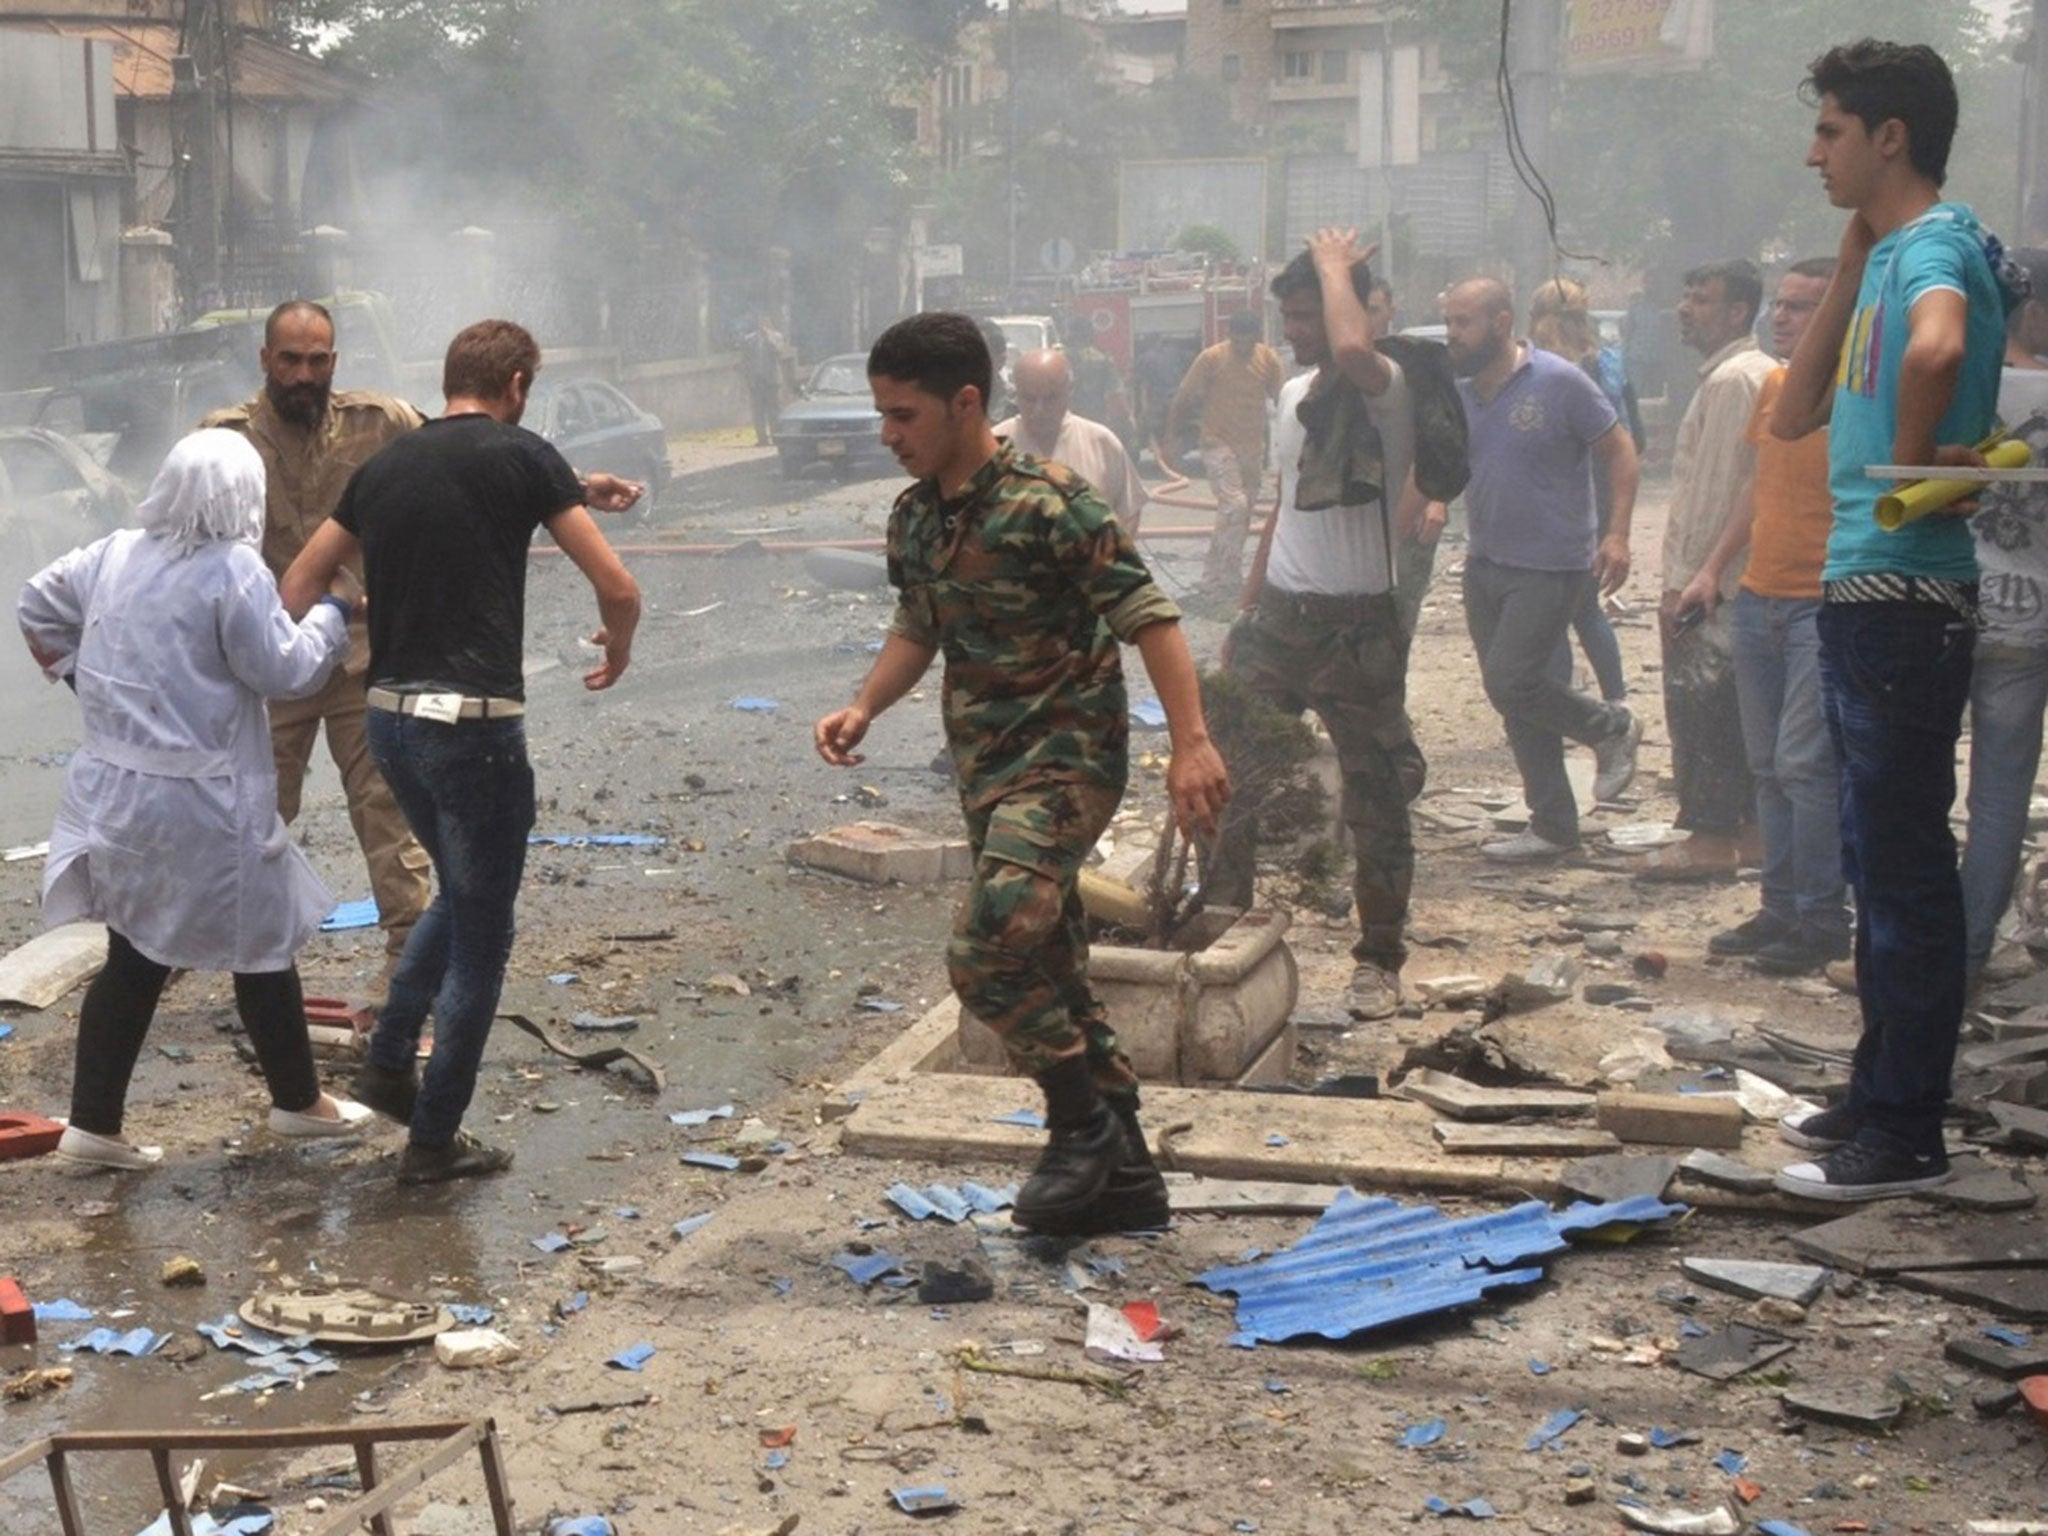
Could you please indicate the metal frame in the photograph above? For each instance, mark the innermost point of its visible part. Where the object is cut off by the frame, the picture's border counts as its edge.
(451, 1440)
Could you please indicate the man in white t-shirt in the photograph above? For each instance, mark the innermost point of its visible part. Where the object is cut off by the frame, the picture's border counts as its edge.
(1046, 428)
(2009, 679)
(1320, 628)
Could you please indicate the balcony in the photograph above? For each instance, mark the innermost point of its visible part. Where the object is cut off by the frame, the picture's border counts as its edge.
(1325, 13)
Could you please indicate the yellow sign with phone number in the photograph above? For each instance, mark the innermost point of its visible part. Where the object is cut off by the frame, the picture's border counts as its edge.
(1636, 34)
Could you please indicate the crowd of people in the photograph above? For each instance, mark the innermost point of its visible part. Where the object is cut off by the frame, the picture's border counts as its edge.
(1816, 666)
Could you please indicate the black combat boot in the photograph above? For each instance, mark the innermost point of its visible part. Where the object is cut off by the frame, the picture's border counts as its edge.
(1134, 1199)
(1087, 1146)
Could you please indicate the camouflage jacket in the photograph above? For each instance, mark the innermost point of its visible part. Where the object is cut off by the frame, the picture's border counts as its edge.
(1027, 583)
(306, 471)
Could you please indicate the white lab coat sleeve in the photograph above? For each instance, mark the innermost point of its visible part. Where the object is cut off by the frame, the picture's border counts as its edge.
(270, 654)
(51, 610)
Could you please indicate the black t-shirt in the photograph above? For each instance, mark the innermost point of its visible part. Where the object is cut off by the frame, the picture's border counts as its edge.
(445, 515)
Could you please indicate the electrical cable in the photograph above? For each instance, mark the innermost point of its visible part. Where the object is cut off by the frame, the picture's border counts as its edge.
(1525, 167)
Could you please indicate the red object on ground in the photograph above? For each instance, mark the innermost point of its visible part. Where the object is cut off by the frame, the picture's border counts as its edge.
(775, 1439)
(25, 1135)
(17, 1317)
(1144, 1318)
(2034, 1391)
(336, 1011)
(1651, 965)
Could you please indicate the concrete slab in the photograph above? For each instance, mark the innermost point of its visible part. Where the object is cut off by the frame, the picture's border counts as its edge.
(1733, 1351)
(2020, 1295)
(1889, 1239)
(877, 852)
(49, 965)
(1522, 1140)
(1990, 1189)
(1852, 1404)
(1724, 1172)
(1996, 1359)
(1461, 1100)
(1192, 1195)
(1756, 1279)
(1618, 1176)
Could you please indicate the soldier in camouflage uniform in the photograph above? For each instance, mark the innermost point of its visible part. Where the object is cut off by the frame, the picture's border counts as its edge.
(312, 438)
(1017, 570)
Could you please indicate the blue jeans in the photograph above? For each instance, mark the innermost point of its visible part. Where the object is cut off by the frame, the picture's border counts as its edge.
(1798, 798)
(2008, 692)
(1601, 645)
(1895, 677)
(467, 789)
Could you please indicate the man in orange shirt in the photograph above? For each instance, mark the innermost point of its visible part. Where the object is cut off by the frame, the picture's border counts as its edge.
(1233, 383)
(1804, 920)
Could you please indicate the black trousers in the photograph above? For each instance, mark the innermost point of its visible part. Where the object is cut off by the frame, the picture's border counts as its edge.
(116, 1014)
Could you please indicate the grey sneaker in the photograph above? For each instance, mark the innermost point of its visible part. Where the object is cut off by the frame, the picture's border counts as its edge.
(1374, 993)
(463, 1158)
(1614, 760)
(1525, 848)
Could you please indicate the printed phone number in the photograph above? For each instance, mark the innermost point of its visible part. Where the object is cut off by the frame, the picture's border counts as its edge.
(1615, 40)
(1593, 12)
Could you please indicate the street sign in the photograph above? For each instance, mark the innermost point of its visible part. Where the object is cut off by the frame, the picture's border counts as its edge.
(1636, 35)
(1057, 255)
(942, 261)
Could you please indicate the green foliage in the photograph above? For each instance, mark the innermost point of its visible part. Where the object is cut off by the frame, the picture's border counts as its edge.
(1210, 240)
(738, 123)
(1683, 165)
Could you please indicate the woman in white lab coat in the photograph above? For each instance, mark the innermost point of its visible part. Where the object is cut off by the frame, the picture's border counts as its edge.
(172, 636)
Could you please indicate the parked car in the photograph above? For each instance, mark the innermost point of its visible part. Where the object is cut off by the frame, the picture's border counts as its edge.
(597, 427)
(54, 497)
(833, 421)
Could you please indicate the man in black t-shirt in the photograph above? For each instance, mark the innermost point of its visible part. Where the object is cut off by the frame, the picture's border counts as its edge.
(443, 518)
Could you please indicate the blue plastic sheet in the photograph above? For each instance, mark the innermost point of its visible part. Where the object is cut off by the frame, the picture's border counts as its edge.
(62, 1310)
(1025, 1117)
(691, 1224)
(865, 1269)
(1554, 1428)
(1732, 1462)
(700, 1116)
(582, 1525)
(632, 1357)
(551, 1242)
(756, 706)
(351, 914)
(470, 1315)
(1416, 1436)
(725, 1162)
(928, 1500)
(595, 840)
(104, 1341)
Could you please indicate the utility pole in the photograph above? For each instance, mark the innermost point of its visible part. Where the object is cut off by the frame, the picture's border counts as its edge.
(1012, 191)
(2033, 188)
(1532, 66)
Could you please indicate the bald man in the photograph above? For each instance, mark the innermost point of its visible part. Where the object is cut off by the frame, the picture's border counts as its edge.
(1046, 428)
(1539, 427)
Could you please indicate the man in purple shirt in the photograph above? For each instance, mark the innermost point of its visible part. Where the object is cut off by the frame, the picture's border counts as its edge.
(1538, 424)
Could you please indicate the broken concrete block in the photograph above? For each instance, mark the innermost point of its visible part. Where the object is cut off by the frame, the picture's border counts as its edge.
(1757, 1279)
(1725, 1172)
(17, 1316)
(1852, 1404)
(466, 1348)
(1680, 1522)
(1461, 1100)
(1618, 1176)
(1732, 1351)
(1995, 1359)
(1990, 1189)
(877, 852)
(1450, 991)
(1522, 1140)
(1549, 979)
(1671, 1119)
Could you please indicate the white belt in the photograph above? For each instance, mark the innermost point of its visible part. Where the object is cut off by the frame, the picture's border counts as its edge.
(433, 705)
(163, 762)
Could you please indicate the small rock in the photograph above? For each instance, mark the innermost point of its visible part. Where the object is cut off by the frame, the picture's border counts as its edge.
(1853, 1404)
(1580, 1490)
(1778, 1312)
(1757, 1279)
(1651, 964)
(1632, 1445)
(1603, 945)
(182, 1271)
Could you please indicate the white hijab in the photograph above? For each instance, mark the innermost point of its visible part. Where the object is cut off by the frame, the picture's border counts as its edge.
(210, 488)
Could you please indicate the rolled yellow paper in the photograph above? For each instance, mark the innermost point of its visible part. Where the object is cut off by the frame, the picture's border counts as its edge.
(1916, 498)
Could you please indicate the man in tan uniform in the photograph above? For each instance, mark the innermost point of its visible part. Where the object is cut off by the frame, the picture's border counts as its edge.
(1232, 384)
(312, 439)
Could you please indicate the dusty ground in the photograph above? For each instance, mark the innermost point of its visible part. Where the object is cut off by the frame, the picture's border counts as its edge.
(1215, 1439)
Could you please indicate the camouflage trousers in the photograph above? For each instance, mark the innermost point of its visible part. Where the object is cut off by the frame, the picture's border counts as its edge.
(1018, 959)
(1346, 658)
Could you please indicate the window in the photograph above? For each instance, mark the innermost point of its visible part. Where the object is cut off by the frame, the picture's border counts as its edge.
(1336, 66)
(1233, 67)
(1297, 66)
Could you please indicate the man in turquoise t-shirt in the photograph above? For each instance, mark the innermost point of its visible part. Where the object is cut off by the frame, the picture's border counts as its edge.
(1901, 363)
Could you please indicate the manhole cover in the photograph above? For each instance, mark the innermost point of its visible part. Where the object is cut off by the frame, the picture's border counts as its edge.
(346, 1314)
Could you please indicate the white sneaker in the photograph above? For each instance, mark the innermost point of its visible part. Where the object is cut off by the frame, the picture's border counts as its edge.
(300, 1124)
(82, 1149)
(1614, 760)
(1525, 848)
